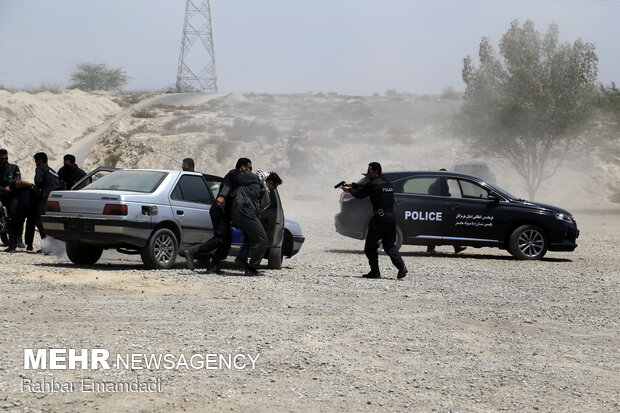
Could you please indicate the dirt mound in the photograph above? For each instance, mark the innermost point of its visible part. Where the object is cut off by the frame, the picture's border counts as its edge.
(48, 122)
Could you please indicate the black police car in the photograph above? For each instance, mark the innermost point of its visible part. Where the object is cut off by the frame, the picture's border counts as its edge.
(448, 208)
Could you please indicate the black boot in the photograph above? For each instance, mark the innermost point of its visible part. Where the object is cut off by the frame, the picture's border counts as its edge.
(402, 273)
(251, 271)
(374, 273)
(213, 267)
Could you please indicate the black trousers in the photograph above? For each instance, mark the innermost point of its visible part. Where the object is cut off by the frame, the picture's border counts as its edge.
(37, 208)
(221, 236)
(16, 214)
(382, 228)
(255, 236)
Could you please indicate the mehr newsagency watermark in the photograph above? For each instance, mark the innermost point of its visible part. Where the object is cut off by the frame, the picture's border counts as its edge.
(99, 359)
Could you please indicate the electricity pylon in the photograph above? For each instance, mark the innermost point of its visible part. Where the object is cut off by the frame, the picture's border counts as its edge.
(197, 59)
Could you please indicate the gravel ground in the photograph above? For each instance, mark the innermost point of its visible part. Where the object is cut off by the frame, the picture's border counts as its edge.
(476, 331)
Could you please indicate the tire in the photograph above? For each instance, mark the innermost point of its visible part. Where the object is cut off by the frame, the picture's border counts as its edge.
(398, 242)
(528, 242)
(81, 254)
(161, 251)
(275, 258)
(5, 239)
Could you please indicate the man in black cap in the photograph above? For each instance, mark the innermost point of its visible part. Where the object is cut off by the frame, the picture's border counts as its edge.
(382, 225)
(70, 173)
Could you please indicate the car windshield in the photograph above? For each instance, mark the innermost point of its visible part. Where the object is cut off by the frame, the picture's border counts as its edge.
(503, 191)
(129, 180)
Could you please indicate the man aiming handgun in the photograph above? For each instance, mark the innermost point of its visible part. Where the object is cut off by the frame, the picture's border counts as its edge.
(382, 225)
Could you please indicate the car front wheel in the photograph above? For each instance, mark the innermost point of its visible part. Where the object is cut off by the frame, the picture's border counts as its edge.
(161, 251)
(82, 254)
(528, 242)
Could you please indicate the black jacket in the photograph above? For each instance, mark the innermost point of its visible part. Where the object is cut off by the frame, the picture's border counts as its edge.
(69, 176)
(9, 174)
(379, 190)
(46, 180)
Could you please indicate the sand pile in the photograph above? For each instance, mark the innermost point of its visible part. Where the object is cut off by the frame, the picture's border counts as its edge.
(51, 123)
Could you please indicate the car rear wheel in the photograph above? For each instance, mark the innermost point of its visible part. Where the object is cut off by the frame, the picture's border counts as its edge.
(275, 258)
(161, 251)
(82, 254)
(528, 242)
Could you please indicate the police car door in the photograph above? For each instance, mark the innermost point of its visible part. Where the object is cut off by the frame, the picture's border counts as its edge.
(471, 216)
(418, 213)
(190, 201)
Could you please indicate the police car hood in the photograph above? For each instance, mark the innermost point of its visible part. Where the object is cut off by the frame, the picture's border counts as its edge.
(538, 205)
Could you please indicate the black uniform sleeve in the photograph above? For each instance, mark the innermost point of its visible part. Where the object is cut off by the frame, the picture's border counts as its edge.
(17, 175)
(360, 190)
(229, 183)
(79, 174)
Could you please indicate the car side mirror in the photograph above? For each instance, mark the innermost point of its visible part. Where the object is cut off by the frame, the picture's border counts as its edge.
(494, 196)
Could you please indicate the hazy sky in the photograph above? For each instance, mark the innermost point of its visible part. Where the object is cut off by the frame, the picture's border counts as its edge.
(287, 46)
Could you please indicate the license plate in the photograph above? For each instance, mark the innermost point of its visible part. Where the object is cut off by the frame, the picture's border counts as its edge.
(79, 227)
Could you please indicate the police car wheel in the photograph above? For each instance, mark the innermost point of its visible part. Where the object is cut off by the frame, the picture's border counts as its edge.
(161, 251)
(82, 254)
(5, 239)
(528, 242)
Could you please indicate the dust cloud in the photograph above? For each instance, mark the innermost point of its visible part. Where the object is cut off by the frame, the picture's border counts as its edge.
(315, 140)
(312, 140)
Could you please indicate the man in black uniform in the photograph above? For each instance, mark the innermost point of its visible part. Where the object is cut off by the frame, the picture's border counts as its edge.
(70, 173)
(220, 218)
(245, 215)
(45, 181)
(382, 225)
(9, 173)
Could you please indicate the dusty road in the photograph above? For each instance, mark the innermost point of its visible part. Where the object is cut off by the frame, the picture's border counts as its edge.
(477, 331)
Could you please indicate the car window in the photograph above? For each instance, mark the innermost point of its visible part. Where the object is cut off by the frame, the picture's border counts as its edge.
(91, 179)
(472, 190)
(191, 188)
(214, 187)
(454, 188)
(418, 185)
(439, 187)
(130, 180)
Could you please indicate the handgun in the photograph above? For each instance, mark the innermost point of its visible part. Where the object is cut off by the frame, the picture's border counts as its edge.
(339, 184)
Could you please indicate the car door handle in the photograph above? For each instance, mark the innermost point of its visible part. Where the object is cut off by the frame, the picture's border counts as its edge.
(180, 212)
(400, 203)
(455, 207)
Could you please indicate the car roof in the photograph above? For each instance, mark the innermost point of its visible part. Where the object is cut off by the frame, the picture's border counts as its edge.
(473, 163)
(112, 169)
(395, 176)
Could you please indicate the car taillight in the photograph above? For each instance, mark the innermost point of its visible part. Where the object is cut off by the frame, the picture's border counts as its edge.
(115, 209)
(346, 197)
(52, 206)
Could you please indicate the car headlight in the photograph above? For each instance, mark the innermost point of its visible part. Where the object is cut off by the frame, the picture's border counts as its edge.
(564, 217)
